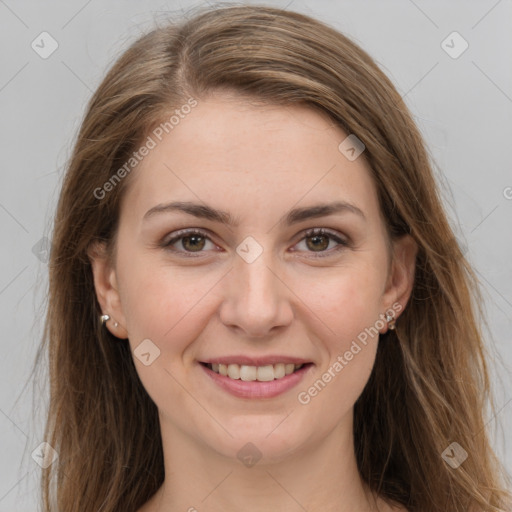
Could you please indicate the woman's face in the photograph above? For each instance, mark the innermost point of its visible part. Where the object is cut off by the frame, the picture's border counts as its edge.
(254, 288)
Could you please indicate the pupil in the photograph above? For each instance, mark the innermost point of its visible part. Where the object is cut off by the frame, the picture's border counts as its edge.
(317, 238)
(195, 244)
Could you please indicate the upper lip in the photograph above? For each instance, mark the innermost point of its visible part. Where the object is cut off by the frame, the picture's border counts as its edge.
(255, 361)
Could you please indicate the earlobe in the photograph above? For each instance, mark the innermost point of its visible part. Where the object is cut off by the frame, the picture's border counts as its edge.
(105, 285)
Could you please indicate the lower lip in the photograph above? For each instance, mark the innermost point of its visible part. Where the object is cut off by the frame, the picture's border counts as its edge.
(257, 389)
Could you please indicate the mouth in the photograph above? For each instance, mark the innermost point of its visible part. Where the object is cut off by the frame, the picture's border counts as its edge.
(246, 373)
(250, 381)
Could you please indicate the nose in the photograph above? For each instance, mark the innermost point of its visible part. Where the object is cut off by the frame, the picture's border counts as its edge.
(256, 300)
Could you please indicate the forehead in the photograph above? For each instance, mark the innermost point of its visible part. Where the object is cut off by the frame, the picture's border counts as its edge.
(235, 154)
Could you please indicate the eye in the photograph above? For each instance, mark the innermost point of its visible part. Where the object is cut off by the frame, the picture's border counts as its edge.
(190, 240)
(318, 240)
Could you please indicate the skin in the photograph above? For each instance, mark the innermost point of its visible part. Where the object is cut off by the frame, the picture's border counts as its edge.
(256, 162)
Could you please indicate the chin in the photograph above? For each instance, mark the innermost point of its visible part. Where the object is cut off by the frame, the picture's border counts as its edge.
(268, 438)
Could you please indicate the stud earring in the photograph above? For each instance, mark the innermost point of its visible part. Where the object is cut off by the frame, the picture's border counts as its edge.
(105, 318)
(391, 322)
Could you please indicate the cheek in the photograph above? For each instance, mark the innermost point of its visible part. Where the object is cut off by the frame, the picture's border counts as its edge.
(167, 307)
(348, 305)
(348, 301)
(351, 314)
(164, 304)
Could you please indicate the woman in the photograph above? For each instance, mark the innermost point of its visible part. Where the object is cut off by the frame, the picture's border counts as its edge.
(256, 299)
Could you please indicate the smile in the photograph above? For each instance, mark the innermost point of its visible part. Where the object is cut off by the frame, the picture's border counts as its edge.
(251, 373)
(250, 381)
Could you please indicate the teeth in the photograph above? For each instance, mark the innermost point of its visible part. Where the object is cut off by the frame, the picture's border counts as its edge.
(265, 373)
(234, 371)
(279, 371)
(248, 373)
(251, 373)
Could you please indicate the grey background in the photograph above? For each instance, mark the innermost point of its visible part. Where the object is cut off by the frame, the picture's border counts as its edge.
(463, 107)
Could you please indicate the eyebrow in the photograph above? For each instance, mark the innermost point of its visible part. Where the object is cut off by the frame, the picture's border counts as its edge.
(294, 216)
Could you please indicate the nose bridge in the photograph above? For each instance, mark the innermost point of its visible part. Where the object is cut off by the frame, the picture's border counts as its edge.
(256, 299)
(260, 283)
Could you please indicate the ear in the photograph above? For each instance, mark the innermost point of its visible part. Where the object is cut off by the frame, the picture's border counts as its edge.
(105, 284)
(401, 276)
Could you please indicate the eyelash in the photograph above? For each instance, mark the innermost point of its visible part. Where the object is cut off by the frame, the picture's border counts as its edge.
(306, 234)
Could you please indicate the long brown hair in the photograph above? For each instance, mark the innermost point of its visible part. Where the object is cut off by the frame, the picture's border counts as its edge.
(429, 387)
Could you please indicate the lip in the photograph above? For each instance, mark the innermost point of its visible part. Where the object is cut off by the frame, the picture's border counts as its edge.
(255, 361)
(255, 389)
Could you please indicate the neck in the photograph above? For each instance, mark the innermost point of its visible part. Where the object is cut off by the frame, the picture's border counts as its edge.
(319, 477)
